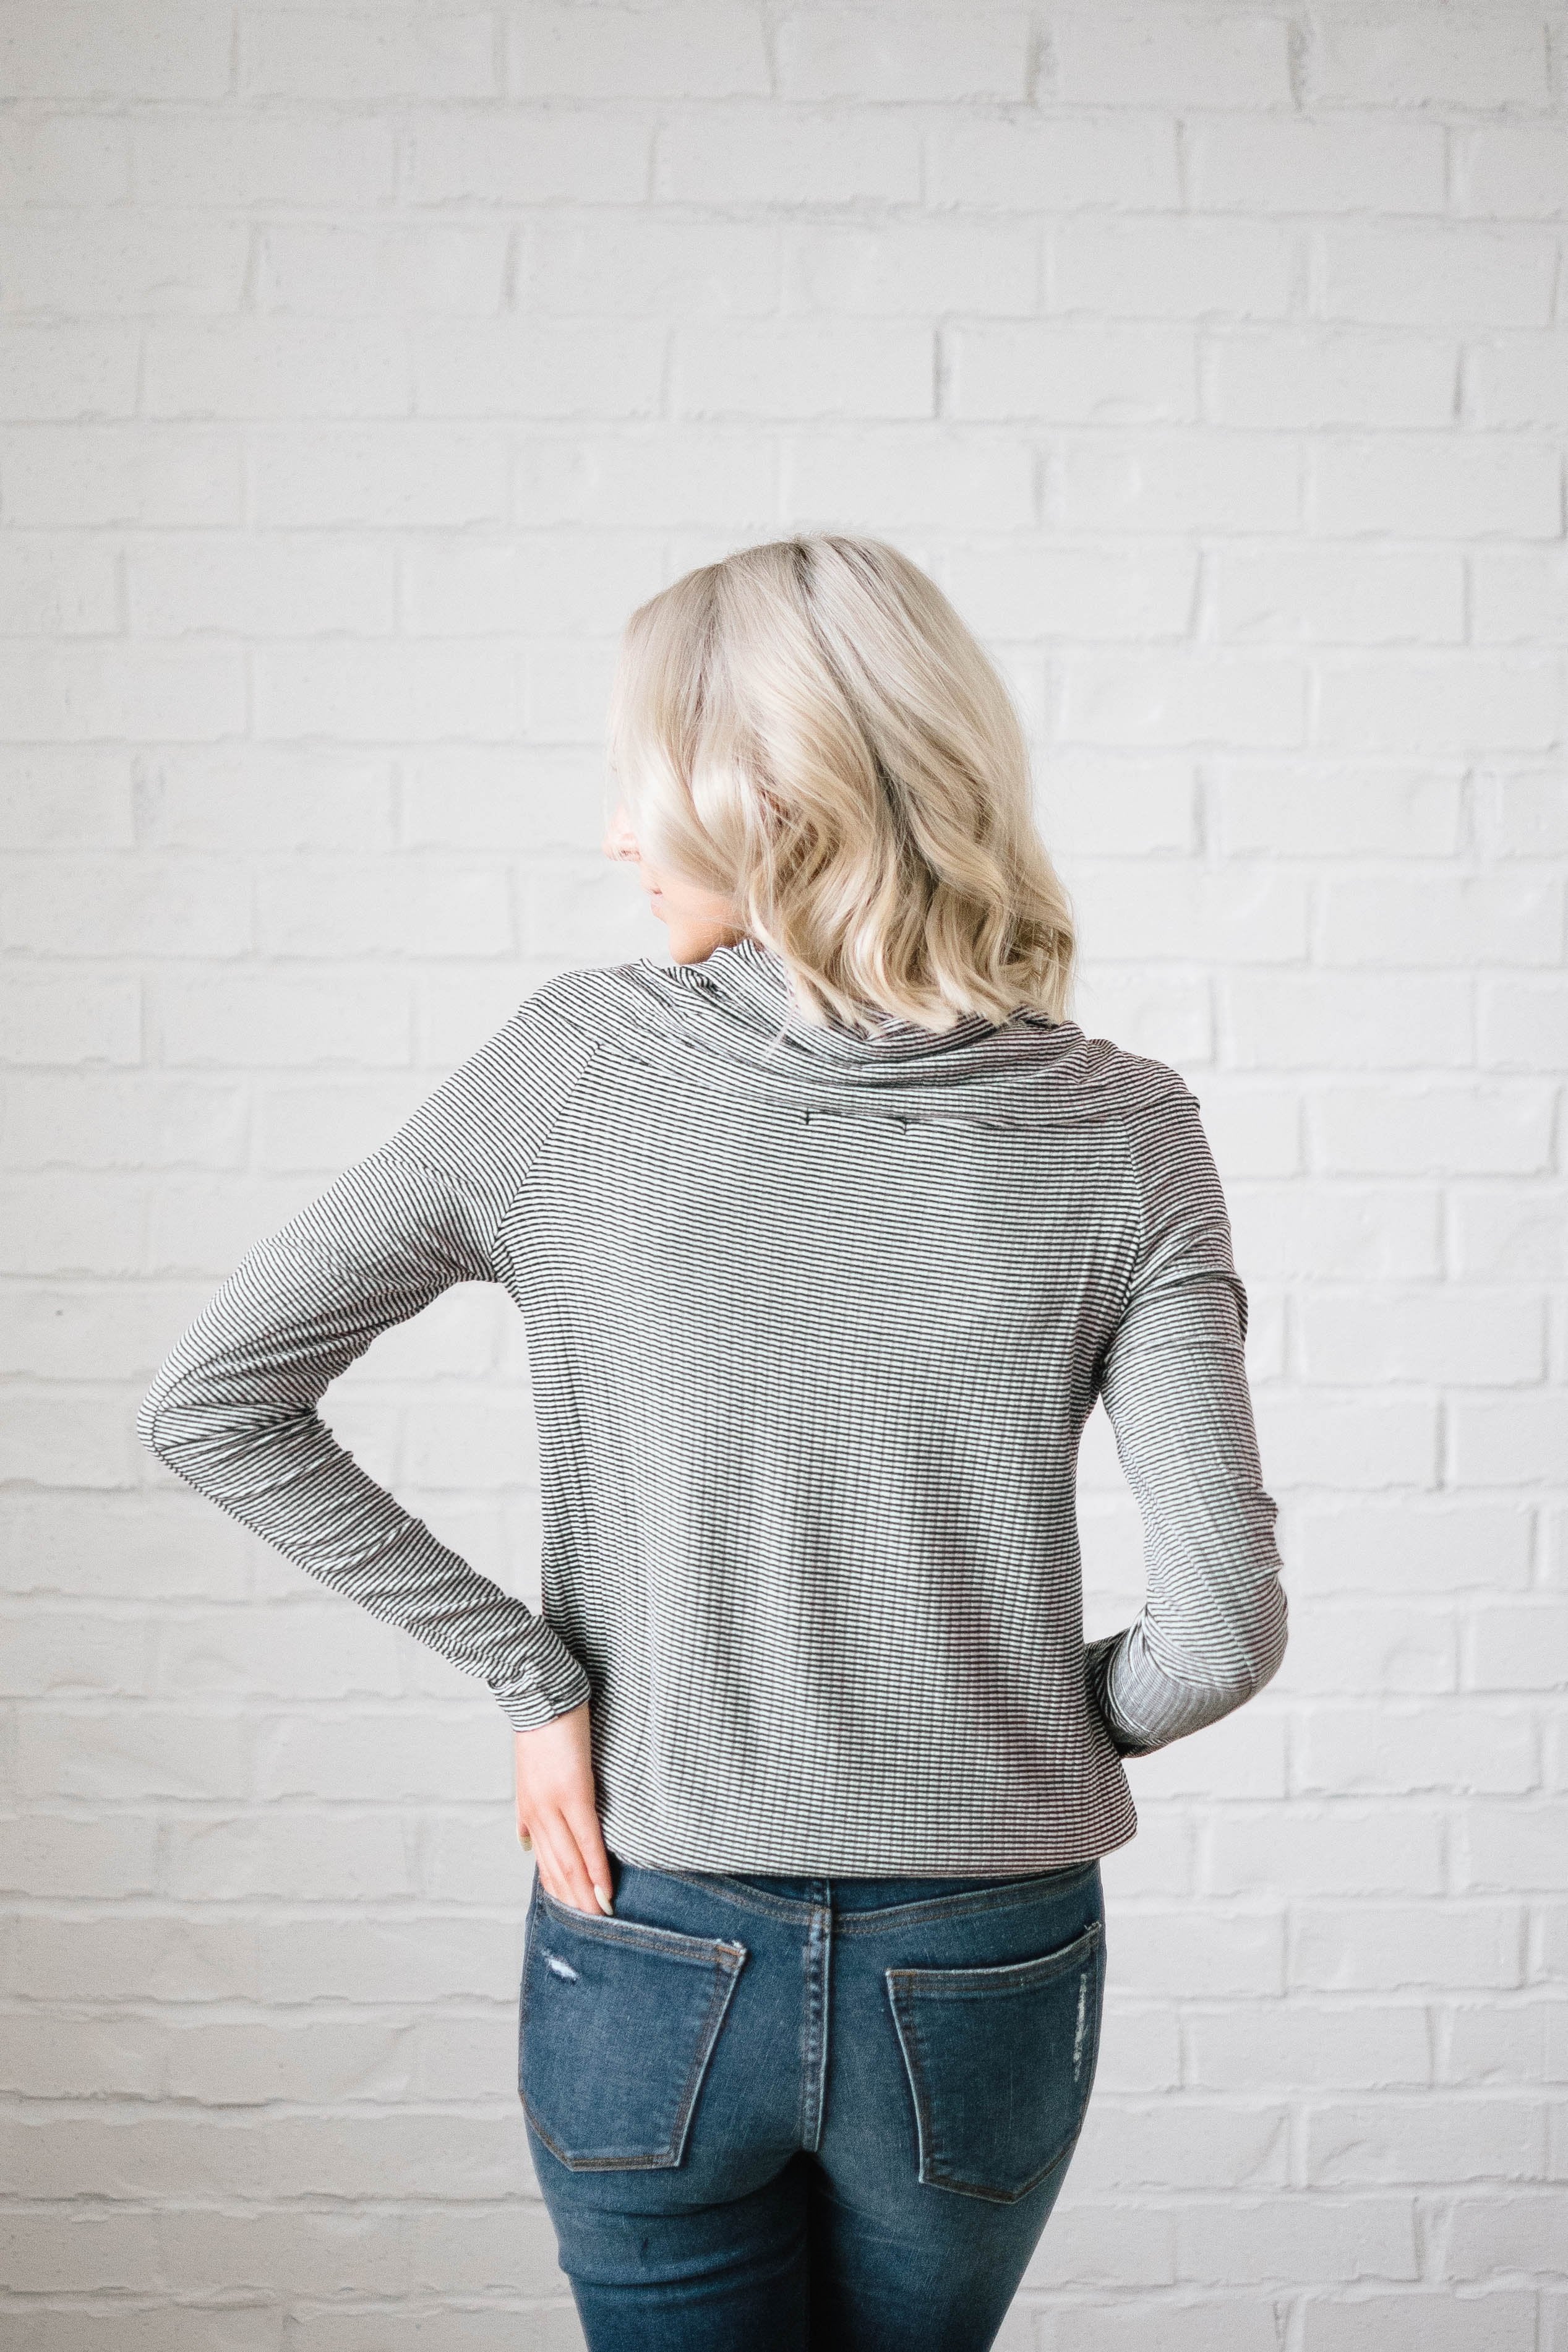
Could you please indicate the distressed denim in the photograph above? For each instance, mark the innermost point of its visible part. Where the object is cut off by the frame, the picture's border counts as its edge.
(796, 2115)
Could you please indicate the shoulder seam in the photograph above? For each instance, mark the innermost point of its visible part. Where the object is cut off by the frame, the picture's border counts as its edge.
(597, 1042)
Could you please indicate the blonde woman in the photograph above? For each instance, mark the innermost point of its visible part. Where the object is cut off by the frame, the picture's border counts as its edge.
(828, 1232)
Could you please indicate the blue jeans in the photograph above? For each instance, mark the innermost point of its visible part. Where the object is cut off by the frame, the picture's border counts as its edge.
(795, 2114)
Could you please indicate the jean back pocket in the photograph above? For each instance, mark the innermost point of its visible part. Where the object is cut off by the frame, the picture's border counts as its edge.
(617, 2024)
(1001, 2062)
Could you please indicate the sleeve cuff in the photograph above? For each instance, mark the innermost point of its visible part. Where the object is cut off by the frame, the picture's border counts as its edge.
(557, 1684)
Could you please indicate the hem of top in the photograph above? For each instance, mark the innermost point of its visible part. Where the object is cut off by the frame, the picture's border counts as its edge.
(1030, 1867)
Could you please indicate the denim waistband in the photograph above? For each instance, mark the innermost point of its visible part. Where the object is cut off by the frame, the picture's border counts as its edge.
(874, 1898)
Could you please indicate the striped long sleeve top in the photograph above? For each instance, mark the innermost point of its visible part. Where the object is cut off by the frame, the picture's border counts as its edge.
(814, 1322)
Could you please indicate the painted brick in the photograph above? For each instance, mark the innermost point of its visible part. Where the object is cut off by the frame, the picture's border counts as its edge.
(757, 158)
(1512, 1236)
(1144, 698)
(535, 585)
(66, 800)
(1519, 380)
(65, 159)
(679, 476)
(1171, 58)
(1448, 1128)
(1318, 2238)
(365, 366)
(1187, 483)
(1524, 1025)
(1242, 164)
(1519, 596)
(1487, 919)
(1504, 2322)
(56, 373)
(943, 479)
(57, 586)
(1420, 277)
(1410, 1747)
(276, 368)
(1337, 1851)
(324, 54)
(90, 1120)
(1374, 1948)
(1470, 1337)
(1436, 487)
(1009, 162)
(66, 477)
(1251, 2046)
(1508, 2046)
(705, 51)
(1472, 60)
(351, 271)
(626, 264)
(507, 368)
(522, 157)
(1016, 590)
(1409, 704)
(116, 262)
(1171, 269)
(274, 159)
(295, 585)
(927, 54)
(286, 1023)
(802, 371)
(124, 50)
(112, 691)
(1286, 377)
(1340, 814)
(936, 266)
(1520, 1649)
(128, 907)
(1331, 595)
(358, 909)
(1513, 168)
(1517, 1444)
(1061, 374)
(415, 474)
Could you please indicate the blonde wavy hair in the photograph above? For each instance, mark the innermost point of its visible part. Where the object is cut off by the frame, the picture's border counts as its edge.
(809, 731)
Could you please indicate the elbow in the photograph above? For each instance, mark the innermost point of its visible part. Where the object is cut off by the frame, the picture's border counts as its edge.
(151, 1423)
(1270, 1652)
(169, 1419)
(1264, 1655)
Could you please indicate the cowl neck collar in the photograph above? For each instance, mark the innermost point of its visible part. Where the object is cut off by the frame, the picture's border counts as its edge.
(748, 984)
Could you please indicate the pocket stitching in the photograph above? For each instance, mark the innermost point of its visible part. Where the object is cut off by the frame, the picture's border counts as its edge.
(901, 1983)
(979, 1984)
(726, 1976)
(694, 1951)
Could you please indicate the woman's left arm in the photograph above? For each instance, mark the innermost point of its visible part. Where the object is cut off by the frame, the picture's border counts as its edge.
(1214, 1624)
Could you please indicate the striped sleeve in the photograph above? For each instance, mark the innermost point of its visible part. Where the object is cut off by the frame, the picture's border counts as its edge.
(234, 1407)
(1212, 1630)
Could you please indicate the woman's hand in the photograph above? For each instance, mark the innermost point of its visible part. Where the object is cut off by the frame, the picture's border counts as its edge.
(558, 1815)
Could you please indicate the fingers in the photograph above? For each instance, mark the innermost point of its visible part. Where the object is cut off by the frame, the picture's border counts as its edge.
(562, 1870)
(558, 1815)
(582, 1820)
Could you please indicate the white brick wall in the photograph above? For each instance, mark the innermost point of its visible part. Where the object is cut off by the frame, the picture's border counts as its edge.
(360, 366)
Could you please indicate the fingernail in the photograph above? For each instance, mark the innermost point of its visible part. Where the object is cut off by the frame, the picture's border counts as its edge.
(605, 1904)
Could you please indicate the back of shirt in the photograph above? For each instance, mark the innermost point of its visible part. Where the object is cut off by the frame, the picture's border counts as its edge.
(815, 1322)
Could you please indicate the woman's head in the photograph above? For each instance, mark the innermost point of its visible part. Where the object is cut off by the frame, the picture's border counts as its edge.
(811, 745)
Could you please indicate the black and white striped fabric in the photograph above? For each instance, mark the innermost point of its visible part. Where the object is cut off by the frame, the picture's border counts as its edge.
(814, 1322)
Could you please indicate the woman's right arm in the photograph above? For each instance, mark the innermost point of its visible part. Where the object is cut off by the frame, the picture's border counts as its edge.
(233, 1407)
